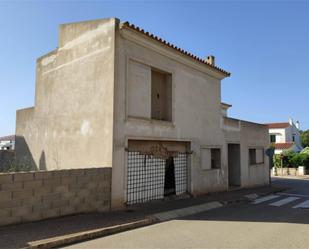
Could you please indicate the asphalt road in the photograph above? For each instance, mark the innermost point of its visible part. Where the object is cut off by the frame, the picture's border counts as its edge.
(276, 221)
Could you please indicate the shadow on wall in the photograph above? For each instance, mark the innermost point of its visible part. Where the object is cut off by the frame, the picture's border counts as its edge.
(23, 158)
(42, 162)
(7, 160)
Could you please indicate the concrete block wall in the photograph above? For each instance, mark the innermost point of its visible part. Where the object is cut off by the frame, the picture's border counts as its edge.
(32, 196)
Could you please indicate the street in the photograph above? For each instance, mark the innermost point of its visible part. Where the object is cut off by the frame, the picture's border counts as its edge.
(274, 221)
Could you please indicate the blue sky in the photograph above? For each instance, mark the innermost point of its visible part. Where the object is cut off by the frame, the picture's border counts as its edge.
(263, 44)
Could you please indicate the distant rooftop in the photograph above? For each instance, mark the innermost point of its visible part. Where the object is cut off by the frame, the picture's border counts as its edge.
(283, 146)
(7, 138)
(278, 125)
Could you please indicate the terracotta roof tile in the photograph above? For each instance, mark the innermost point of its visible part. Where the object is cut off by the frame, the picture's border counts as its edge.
(146, 33)
(6, 138)
(283, 146)
(277, 125)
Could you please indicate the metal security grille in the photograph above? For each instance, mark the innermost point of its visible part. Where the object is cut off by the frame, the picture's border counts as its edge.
(180, 163)
(146, 176)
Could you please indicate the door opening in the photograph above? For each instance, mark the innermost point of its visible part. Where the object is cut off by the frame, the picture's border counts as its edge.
(169, 179)
(234, 164)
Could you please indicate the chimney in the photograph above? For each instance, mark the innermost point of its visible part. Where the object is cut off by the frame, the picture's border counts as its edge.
(297, 125)
(210, 60)
(291, 121)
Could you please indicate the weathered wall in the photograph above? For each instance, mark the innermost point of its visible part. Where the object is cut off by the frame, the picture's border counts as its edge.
(71, 125)
(46, 194)
(254, 136)
(196, 110)
(249, 135)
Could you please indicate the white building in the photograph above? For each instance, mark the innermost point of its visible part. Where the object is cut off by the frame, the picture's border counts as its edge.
(285, 136)
(7, 143)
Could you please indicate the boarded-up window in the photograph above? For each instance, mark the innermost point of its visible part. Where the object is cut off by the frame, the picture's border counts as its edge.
(139, 90)
(259, 156)
(210, 158)
(256, 156)
(161, 95)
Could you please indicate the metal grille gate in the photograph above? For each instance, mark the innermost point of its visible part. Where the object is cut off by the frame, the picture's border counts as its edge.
(146, 175)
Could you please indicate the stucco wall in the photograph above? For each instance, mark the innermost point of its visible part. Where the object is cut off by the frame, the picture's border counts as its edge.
(254, 136)
(249, 135)
(280, 135)
(290, 131)
(71, 125)
(196, 111)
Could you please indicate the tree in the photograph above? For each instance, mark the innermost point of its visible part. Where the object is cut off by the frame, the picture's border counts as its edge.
(304, 135)
(305, 151)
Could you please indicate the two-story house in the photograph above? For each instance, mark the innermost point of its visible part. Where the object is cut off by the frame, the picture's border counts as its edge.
(114, 95)
(285, 136)
(7, 142)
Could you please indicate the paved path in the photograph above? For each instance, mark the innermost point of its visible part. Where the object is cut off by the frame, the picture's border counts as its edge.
(273, 221)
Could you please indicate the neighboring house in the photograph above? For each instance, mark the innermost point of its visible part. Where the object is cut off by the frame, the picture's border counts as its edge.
(114, 95)
(285, 136)
(7, 142)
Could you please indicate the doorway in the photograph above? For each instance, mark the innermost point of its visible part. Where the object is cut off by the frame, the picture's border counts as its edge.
(234, 165)
(169, 179)
(151, 177)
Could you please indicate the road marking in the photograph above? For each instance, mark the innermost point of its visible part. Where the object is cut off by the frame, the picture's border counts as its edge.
(304, 204)
(266, 198)
(251, 196)
(290, 194)
(283, 201)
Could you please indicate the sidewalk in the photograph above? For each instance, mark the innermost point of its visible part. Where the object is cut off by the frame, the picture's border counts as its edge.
(304, 177)
(17, 236)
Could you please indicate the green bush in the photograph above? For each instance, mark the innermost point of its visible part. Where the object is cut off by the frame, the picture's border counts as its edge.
(288, 155)
(304, 135)
(296, 160)
(292, 160)
(305, 151)
(305, 160)
(277, 161)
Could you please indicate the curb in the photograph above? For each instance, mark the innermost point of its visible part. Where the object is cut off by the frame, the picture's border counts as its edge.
(101, 232)
(86, 235)
(182, 212)
(152, 219)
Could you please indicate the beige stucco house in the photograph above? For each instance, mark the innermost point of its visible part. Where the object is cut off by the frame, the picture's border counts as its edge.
(114, 95)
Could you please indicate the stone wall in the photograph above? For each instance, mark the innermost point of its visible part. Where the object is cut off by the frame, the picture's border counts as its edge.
(40, 195)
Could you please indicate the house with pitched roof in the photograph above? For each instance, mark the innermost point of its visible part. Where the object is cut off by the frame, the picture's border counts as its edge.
(114, 95)
(285, 136)
(7, 142)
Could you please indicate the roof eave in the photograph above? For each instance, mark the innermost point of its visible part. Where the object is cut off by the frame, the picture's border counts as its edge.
(138, 30)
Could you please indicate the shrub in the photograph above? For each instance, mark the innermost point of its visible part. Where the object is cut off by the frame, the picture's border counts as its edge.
(288, 155)
(277, 161)
(305, 151)
(296, 160)
(292, 159)
(305, 160)
(305, 138)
